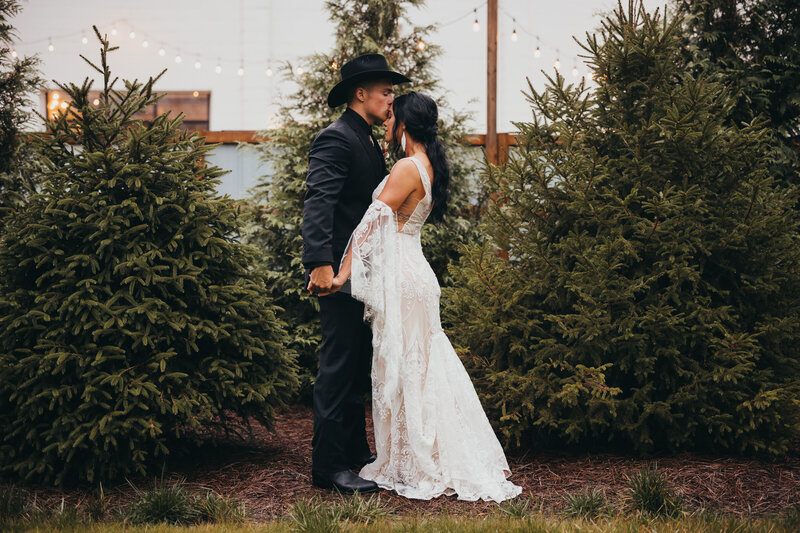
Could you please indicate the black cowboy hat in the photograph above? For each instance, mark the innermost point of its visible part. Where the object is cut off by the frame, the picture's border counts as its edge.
(363, 67)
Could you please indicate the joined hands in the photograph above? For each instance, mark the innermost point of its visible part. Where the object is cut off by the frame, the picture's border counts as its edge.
(323, 282)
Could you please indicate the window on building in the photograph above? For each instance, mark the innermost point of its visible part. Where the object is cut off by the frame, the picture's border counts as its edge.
(195, 106)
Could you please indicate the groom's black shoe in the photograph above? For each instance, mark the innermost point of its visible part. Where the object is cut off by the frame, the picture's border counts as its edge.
(345, 482)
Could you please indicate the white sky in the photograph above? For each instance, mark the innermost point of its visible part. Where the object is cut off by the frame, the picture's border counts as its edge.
(257, 33)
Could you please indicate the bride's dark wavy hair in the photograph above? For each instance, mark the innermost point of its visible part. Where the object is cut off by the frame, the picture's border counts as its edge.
(419, 114)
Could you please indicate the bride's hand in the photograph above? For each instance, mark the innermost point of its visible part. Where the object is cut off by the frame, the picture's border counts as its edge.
(336, 284)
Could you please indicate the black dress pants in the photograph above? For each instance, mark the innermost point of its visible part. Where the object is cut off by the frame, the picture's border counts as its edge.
(341, 384)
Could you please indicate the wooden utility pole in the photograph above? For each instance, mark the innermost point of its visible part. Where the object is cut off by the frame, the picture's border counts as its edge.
(491, 82)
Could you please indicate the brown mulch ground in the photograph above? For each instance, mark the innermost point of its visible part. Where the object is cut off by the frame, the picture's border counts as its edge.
(270, 475)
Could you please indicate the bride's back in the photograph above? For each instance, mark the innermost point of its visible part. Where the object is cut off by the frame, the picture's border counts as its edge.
(410, 209)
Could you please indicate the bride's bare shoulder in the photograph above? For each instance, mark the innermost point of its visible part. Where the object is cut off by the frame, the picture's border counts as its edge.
(402, 181)
(404, 172)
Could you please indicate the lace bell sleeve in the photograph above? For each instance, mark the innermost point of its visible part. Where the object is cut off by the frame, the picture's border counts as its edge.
(373, 251)
(375, 281)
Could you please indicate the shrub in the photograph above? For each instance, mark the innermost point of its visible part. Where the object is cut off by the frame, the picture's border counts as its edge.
(639, 287)
(649, 492)
(588, 503)
(130, 315)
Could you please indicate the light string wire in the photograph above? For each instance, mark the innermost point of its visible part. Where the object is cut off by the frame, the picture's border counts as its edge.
(267, 63)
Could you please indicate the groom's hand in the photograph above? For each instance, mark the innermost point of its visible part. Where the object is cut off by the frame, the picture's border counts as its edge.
(321, 280)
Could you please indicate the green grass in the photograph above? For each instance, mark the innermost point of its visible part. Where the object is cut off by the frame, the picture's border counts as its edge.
(589, 503)
(517, 507)
(318, 516)
(648, 492)
(699, 522)
(586, 512)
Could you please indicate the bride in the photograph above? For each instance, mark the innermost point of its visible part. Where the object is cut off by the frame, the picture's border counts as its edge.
(432, 436)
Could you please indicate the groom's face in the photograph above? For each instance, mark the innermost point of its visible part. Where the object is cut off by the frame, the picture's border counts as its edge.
(378, 103)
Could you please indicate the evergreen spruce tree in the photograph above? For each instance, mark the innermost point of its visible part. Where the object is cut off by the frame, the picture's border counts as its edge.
(131, 317)
(639, 285)
(362, 26)
(752, 45)
(19, 77)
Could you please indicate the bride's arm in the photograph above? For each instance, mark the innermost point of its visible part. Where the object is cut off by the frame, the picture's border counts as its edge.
(402, 181)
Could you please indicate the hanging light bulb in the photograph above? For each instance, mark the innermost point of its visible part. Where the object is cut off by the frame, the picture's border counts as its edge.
(514, 31)
(162, 52)
(51, 47)
(13, 53)
(557, 64)
(574, 71)
(178, 58)
(476, 27)
(218, 68)
(269, 71)
(132, 35)
(84, 39)
(145, 44)
(113, 30)
(421, 44)
(197, 65)
(240, 72)
(537, 52)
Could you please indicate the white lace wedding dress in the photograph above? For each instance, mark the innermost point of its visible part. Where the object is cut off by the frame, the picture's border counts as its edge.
(432, 436)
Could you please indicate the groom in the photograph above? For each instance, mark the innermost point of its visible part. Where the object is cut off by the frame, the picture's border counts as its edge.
(345, 164)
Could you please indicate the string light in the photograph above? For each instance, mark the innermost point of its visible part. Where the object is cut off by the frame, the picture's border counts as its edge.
(420, 44)
(240, 72)
(96, 101)
(575, 71)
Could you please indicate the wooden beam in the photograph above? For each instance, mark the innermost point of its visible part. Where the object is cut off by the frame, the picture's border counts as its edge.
(251, 136)
(491, 82)
(230, 136)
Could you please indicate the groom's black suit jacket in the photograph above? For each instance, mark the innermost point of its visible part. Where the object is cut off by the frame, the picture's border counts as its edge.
(345, 164)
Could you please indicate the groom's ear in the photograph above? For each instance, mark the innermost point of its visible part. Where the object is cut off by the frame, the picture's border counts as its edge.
(353, 94)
